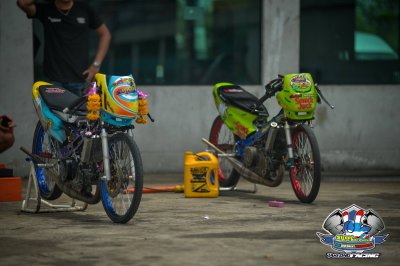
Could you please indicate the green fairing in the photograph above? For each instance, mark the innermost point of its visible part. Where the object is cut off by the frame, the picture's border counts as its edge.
(237, 120)
(298, 98)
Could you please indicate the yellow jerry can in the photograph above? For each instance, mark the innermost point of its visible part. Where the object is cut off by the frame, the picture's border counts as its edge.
(201, 175)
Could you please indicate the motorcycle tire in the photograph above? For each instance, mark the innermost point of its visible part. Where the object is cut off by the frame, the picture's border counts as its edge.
(305, 174)
(121, 195)
(45, 146)
(223, 138)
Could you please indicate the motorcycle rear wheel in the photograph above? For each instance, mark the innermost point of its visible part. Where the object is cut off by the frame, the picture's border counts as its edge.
(121, 195)
(223, 138)
(45, 147)
(305, 175)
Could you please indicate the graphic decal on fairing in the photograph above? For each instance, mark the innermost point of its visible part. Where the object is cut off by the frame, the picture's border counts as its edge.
(241, 130)
(300, 83)
(124, 96)
(54, 90)
(304, 103)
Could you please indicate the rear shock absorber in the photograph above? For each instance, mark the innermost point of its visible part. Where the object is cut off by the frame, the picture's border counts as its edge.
(289, 144)
(106, 156)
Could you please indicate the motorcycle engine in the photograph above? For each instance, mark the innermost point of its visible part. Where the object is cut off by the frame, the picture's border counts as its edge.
(255, 159)
(77, 167)
(68, 169)
(78, 176)
(84, 179)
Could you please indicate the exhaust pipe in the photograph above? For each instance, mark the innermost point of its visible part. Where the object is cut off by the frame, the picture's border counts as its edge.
(246, 173)
(94, 199)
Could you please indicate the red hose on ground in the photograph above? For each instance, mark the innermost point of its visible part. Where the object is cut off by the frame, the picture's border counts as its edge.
(177, 188)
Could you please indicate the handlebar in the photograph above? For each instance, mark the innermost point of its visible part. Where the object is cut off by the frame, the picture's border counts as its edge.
(75, 105)
(322, 97)
(276, 85)
(270, 89)
(79, 101)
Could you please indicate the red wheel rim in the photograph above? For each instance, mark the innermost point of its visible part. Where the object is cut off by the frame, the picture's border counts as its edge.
(216, 129)
(298, 167)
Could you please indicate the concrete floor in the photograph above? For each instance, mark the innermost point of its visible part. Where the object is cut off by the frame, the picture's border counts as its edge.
(234, 229)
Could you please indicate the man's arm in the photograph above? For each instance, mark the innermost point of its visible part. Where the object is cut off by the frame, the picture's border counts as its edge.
(28, 6)
(104, 43)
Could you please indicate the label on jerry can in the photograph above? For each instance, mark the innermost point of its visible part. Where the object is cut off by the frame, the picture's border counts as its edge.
(199, 182)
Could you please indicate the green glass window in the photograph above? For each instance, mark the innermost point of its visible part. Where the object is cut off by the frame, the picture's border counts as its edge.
(351, 41)
(188, 42)
(178, 42)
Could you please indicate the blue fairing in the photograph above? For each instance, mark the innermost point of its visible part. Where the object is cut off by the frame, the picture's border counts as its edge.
(57, 129)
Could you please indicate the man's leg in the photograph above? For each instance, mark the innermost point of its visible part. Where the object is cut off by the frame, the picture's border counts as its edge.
(75, 87)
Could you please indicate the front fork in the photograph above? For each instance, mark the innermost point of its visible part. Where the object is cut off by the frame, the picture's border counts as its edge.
(106, 155)
(288, 136)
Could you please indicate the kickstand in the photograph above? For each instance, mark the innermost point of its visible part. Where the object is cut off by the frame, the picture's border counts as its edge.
(235, 188)
(37, 201)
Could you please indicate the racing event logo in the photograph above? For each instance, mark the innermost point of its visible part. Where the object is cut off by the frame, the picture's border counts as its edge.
(300, 83)
(352, 231)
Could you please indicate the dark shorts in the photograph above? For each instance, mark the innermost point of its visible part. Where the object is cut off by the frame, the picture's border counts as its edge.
(74, 87)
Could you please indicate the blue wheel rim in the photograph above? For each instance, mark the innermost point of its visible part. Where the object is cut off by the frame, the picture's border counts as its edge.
(106, 199)
(40, 174)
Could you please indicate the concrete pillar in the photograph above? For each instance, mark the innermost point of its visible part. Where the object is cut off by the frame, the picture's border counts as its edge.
(16, 77)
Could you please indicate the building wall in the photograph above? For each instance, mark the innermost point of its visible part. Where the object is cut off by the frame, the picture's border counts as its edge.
(361, 133)
(16, 76)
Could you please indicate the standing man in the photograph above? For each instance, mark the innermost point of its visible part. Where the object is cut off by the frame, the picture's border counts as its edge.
(66, 41)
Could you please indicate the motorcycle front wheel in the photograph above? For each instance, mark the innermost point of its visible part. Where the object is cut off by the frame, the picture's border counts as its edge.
(45, 147)
(305, 174)
(121, 195)
(224, 139)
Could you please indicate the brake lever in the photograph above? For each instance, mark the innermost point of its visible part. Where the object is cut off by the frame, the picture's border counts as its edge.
(151, 119)
(322, 97)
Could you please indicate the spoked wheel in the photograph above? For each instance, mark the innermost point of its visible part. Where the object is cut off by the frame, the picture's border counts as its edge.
(122, 194)
(45, 147)
(305, 175)
(223, 138)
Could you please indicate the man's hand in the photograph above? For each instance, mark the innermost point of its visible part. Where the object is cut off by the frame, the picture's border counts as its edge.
(6, 135)
(90, 73)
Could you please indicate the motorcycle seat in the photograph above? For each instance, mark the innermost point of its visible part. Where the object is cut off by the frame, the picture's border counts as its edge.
(57, 98)
(239, 97)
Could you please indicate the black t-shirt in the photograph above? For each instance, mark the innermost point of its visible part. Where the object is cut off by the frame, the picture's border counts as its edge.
(66, 44)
